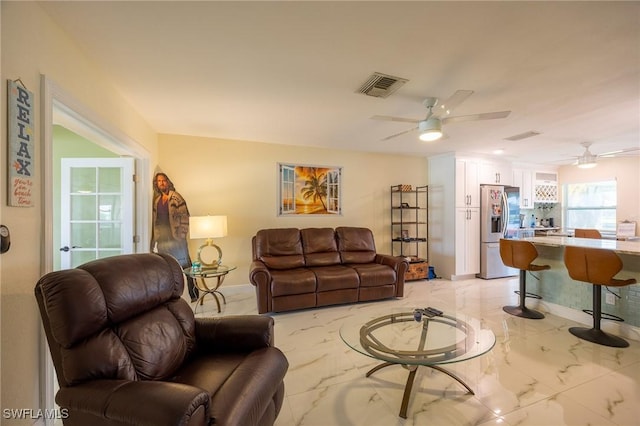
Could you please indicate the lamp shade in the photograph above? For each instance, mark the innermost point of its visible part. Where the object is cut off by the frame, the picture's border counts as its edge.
(207, 226)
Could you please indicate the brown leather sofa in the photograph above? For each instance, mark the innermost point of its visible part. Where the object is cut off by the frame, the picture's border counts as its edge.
(305, 268)
(128, 351)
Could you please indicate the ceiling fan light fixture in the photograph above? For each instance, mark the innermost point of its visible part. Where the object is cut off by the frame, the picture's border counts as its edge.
(430, 129)
(587, 161)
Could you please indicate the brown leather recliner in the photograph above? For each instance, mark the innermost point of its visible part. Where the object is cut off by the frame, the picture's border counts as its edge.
(128, 350)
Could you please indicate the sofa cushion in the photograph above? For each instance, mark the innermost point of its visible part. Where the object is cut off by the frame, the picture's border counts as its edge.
(293, 281)
(374, 274)
(356, 245)
(335, 277)
(320, 247)
(279, 248)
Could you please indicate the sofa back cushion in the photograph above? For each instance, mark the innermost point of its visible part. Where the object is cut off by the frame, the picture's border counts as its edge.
(320, 247)
(120, 317)
(279, 248)
(355, 245)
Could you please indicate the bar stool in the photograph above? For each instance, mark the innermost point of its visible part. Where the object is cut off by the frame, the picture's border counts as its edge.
(596, 267)
(519, 254)
(587, 233)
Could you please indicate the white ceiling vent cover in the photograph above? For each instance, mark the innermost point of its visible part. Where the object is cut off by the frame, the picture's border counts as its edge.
(381, 85)
(525, 135)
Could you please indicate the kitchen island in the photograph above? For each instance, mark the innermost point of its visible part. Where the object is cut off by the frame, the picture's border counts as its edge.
(559, 291)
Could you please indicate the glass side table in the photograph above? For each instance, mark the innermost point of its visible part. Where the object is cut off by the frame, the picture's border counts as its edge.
(200, 278)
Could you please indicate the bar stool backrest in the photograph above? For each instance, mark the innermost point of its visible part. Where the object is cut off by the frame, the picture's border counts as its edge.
(517, 254)
(591, 265)
(587, 233)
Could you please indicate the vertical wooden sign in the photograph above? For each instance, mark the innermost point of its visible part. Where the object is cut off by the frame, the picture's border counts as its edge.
(20, 158)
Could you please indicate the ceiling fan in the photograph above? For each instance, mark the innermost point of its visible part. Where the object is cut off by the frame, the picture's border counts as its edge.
(438, 114)
(588, 160)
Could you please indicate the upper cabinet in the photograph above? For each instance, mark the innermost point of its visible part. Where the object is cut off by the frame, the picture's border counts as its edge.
(523, 179)
(495, 173)
(467, 191)
(546, 187)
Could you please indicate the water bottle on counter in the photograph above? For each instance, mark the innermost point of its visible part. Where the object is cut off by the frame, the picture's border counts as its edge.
(533, 221)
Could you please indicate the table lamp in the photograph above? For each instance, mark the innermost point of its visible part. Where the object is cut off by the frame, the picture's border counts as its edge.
(208, 227)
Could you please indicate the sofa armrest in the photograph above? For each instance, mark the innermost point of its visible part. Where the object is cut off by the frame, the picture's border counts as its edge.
(260, 277)
(141, 403)
(393, 261)
(240, 333)
(400, 265)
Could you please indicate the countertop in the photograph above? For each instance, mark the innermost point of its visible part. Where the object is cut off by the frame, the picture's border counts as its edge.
(540, 228)
(627, 247)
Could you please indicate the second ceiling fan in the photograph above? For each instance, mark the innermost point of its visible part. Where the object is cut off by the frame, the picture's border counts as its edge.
(438, 114)
(588, 160)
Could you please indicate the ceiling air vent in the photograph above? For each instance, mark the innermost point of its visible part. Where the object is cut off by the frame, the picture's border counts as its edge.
(521, 136)
(381, 85)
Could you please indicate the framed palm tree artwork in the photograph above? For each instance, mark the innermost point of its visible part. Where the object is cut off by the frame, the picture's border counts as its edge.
(305, 190)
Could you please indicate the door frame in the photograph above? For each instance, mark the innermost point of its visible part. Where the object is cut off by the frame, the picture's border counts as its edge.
(60, 107)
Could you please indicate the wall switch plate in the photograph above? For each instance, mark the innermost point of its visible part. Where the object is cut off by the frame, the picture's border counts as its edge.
(609, 299)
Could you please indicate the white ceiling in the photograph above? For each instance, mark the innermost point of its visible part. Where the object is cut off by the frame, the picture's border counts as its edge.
(287, 72)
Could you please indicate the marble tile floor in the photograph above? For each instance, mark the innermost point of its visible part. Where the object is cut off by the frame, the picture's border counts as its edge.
(537, 374)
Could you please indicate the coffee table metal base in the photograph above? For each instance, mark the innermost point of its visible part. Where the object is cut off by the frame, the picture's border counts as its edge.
(412, 375)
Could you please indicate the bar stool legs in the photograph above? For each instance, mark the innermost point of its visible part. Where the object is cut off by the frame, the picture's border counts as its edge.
(596, 267)
(521, 310)
(520, 255)
(595, 334)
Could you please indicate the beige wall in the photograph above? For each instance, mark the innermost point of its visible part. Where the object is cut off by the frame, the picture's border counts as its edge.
(33, 45)
(215, 176)
(239, 179)
(625, 170)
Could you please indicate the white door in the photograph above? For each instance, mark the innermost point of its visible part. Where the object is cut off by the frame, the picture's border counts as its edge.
(96, 213)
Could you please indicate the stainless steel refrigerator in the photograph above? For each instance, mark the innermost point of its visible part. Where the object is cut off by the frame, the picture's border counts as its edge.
(499, 218)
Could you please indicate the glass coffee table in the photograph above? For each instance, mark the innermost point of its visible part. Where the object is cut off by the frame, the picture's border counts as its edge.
(414, 338)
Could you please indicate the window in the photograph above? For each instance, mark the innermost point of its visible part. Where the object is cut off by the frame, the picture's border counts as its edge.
(333, 191)
(591, 205)
(287, 189)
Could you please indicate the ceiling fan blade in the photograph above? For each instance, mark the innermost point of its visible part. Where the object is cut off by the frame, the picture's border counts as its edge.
(399, 134)
(399, 119)
(456, 99)
(619, 151)
(476, 117)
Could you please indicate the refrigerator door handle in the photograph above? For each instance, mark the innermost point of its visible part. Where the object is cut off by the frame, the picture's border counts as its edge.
(505, 213)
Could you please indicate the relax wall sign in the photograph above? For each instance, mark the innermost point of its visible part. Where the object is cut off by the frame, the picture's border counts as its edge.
(20, 158)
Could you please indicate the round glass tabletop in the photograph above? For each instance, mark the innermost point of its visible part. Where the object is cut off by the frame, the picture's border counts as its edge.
(417, 337)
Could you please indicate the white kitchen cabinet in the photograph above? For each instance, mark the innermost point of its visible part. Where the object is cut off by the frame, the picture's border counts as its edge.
(495, 173)
(467, 241)
(523, 179)
(467, 189)
(454, 216)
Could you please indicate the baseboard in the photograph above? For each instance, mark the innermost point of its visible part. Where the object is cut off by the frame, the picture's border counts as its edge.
(621, 329)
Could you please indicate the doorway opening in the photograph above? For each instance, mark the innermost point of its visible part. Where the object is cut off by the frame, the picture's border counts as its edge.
(70, 129)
